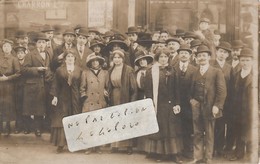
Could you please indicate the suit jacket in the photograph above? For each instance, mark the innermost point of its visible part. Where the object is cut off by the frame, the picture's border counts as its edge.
(174, 61)
(184, 84)
(81, 62)
(214, 90)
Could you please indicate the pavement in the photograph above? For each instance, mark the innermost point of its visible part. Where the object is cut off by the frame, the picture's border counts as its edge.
(29, 149)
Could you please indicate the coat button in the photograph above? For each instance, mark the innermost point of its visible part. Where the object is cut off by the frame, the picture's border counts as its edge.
(170, 102)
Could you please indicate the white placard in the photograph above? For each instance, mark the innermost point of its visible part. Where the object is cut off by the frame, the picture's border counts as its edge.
(110, 124)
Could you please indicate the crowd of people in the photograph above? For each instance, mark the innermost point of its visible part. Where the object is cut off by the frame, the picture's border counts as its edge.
(201, 87)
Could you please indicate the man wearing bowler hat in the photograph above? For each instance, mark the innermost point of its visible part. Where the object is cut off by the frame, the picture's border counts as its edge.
(37, 84)
(58, 54)
(173, 44)
(22, 39)
(237, 47)
(223, 51)
(180, 34)
(48, 30)
(242, 94)
(194, 46)
(208, 93)
(184, 71)
(132, 34)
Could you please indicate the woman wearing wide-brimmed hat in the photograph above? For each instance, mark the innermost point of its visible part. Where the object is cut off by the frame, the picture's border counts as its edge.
(9, 71)
(122, 89)
(93, 88)
(66, 97)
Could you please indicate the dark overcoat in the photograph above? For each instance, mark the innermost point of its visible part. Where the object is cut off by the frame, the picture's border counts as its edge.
(37, 83)
(168, 97)
(9, 66)
(68, 96)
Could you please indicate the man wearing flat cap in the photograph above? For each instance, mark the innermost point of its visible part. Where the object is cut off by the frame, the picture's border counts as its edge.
(58, 56)
(242, 103)
(37, 84)
(205, 35)
(223, 51)
(208, 93)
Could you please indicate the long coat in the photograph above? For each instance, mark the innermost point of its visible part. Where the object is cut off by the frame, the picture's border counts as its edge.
(168, 97)
(36, 84)
(68, 95)
(214, 90)
(242, 112)
(93, 87)
(128, 91)
(9, 66)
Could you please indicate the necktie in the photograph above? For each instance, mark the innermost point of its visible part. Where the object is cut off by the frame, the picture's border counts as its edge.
(43, 55)
(183, 69)
(202, 71)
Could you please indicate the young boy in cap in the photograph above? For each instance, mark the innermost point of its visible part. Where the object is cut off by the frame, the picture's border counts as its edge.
(208, 93)
(223, 51)
(184, 71)
(242, 103)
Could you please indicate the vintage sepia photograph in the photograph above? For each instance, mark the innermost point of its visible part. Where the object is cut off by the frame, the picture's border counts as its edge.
(129, 81)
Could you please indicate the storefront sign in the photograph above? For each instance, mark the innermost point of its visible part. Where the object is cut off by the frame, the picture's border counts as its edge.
(39, 4)
(110, 124)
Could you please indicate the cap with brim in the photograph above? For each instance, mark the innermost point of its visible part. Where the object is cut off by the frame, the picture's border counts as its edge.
(237, 44)
(172, 39)
(83, 32)
(132, 30)
(47, 28)
(194, 43)
(184, 47)
(95, 43)
(224, 45)
(7, 41)
(246, 52)
(190, 34)
(40, 36)
(69, 32)
(93, 57)
(203, 48)
(121, 44)
(19, 48)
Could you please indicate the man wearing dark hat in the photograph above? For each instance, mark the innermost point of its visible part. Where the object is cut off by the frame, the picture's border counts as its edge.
(77, 28)
(180, 34)
(82, 50)
(37, 83)
(217, 37)
(93, 34)
(48, 30)
(189, 36)
(194, 46)
(184, 72)
(223, 51)
(132, 35)
(242, 103)
(58, 55)
(22, 39)
(173, 45)
(237, 46)
(208, 93)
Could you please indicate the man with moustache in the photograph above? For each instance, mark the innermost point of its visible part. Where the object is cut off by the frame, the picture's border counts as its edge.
(173, 44)
(184, 72)
(37, 84)
(208, 93)
(194, 46)
(237, 47)
(48, 30)
(58, 53)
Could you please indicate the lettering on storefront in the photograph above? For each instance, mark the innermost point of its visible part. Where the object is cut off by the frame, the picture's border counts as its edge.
(110, 124)
(39, 4)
